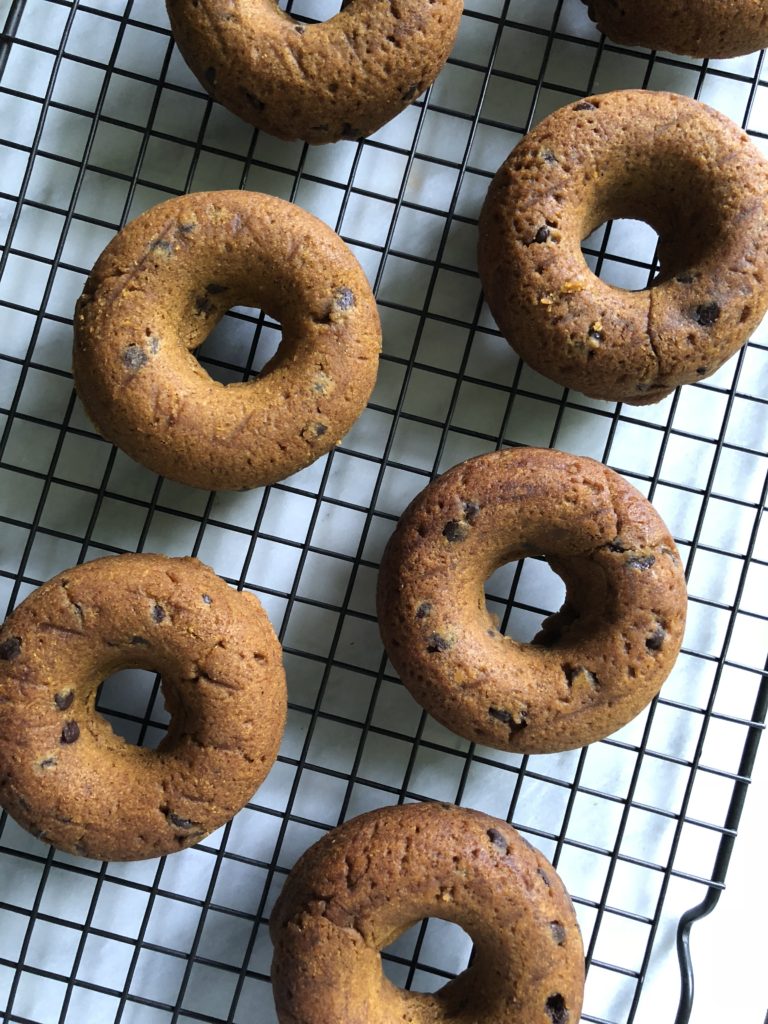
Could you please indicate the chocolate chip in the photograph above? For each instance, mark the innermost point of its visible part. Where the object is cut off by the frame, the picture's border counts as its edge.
(437, 643)
(139, 641)
(541, 235)
(134, 357)
(158, 613)
(178, 822)
(497, 839)
(500, 715)
(254, 101)
(203, 305)
(70, 733)
(585, 105)
(656, 640)
(207, 599)
(593, 332)
(215, 289)
(549, 156)
(701, 370)
(470, 511)
(544, 877)
(423, 610)
(187, 229)
(48, 762)
(557, 1010)
(64, 700)
(344, 298)
(320, 429)
(10, 649)
(162, 243)
(641, 563)
(616, 545)
(409, 93)
(454, 531)
(708, 314)
(519, 721)
(558, 932)
(348, 132)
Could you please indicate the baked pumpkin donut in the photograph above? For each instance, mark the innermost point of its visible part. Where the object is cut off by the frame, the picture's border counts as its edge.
(595, 664)
(706, 28)
(339, 79)
(66, 776)
(157, 291)
(365, 883)
(665, 159)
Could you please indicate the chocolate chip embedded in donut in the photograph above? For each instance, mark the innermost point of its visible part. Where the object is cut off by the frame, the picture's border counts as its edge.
(70, 733)
(10, 649)
(708, 314)
(497, 839)
(557, 1010)
(64, 699)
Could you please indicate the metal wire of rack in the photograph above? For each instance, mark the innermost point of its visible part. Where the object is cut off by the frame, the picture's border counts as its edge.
(101, 120)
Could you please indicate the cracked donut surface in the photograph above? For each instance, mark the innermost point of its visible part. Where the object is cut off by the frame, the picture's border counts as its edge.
(670, 161)
(66, 775)
(706, 28)
(339, 79)
(359, 888)
(159, 289)
(595, 664)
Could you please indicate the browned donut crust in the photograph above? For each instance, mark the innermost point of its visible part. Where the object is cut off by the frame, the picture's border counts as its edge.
(339, 79)
(595, 664)
(696, 28)
(66, 776)
(157, 291)
(365, 883)
(665, 159)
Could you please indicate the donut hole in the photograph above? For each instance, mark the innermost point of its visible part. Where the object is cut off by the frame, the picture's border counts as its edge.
(632, 223)
(426, 956)
(520, 595)
(241, 344)
(622, 253)
(131, 702)
(312, 11)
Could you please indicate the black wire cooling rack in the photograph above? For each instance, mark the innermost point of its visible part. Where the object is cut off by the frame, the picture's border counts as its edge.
(100, 119)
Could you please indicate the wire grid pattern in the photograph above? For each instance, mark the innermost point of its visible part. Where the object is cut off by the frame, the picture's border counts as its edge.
(101, 119)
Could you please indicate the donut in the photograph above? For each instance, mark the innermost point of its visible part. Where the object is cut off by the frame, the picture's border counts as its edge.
(362, 885)
(157, 291)
(704, 28)
(339, 79)
(665, 159)
(595, 664)
(72, 781)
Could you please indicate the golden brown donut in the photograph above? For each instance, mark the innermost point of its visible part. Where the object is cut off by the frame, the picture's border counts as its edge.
(365, 883)
(595, 664)
(696, 28)
(339, 79)
(665, 159)
(66, 776)
(157, 291)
